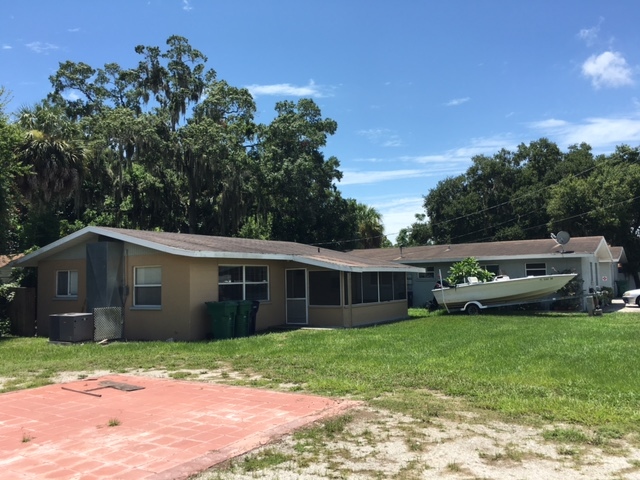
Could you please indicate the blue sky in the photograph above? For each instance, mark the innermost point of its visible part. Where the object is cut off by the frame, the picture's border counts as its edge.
(417, 87)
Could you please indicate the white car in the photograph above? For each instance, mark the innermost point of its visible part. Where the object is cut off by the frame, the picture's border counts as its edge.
(631, 297)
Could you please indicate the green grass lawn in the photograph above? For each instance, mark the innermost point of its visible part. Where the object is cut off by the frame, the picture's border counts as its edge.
(551, 367)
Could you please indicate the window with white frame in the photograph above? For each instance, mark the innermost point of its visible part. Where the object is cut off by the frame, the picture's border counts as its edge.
(66, 283)
(243, 282)
(430, 273)
(147, 287)
(535, 269)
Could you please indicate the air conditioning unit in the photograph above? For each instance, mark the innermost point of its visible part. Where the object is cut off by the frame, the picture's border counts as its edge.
(71, 327)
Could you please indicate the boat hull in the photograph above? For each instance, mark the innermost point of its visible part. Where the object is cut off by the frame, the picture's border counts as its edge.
(493, 293)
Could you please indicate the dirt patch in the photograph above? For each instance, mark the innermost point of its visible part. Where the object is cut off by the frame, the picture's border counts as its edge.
(381, 444)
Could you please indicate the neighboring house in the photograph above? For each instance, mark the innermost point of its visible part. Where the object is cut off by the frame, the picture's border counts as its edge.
(158, 282)
(596, 263)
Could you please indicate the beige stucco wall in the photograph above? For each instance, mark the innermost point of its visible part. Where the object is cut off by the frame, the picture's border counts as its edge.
(371, 313)
(173, 319)
(326, 316)
(204, 288)
(187, 283)
(47, 302)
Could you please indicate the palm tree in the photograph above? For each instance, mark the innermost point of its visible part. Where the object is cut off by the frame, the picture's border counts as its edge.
(370, 227)
(54, 155)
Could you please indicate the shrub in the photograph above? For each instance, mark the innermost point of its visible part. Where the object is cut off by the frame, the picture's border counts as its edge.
(6, 296)
(572, 290)
(469, 267)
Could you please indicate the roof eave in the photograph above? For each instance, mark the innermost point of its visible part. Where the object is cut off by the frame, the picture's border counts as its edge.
(31, 260)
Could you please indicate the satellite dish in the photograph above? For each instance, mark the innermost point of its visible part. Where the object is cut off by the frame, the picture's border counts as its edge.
(563, 238)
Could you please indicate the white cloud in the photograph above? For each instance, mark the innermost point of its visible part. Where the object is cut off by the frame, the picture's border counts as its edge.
(73, 30)
(41, 47)
(609, 69)
(353, 177)
(394, 141)
(599, 132)
(459, 157)
(286, 89)
(457, 101)
(549, 124)
(186, 5)
(381, 136)
(6, 47)
(398, 212)
(72, 95)
(590, 35)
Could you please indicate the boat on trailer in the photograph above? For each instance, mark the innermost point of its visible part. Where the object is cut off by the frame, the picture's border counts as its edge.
(473, 295)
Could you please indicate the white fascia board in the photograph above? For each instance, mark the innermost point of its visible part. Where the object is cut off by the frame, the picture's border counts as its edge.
(546, 256)
(603, 252)
(30, 260)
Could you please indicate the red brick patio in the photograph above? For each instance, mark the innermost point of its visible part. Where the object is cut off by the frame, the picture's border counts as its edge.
(169, 429)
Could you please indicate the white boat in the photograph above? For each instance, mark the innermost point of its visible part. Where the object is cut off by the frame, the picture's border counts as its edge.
(474, 295)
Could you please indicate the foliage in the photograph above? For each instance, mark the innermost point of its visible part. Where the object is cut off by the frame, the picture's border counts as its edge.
(503, 197)
(164, 144)
(7, 293)
(469, 267)
(369, 224)
(607, 295)
(538, 189)
(572, 293)
(10, 168)
(419, 233)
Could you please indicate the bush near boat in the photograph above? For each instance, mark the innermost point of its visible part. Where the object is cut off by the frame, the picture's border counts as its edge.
(469, 267)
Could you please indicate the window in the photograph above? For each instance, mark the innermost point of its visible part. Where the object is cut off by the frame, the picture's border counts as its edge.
(324, 288)
(370, 287)
(147, 287)
(399, 286)
(386, 286)
(67, 283)
(430, 273)
(374, 287)
(493, 268)
(356, 288)
(240, 282)
(535, 269)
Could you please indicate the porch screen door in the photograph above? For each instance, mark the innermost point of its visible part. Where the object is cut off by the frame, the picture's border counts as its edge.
(297, 296)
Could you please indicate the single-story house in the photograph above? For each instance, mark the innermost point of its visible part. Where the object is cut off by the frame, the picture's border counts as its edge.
(156, 284)
(597, 264)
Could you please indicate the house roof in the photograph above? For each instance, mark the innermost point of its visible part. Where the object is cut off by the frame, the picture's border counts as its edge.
(204, 246)
(5, 260)
(618, 254)
(544, 248)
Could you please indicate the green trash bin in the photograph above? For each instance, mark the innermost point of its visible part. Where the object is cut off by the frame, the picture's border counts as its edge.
(223, 318)
(243, 318)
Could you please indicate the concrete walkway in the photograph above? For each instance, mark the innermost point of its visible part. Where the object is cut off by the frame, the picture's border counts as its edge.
(617, 305)
(166, 429)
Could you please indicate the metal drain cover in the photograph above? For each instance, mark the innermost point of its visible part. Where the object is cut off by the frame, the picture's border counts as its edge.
(125, 387)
